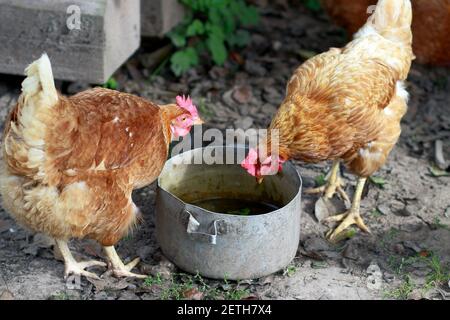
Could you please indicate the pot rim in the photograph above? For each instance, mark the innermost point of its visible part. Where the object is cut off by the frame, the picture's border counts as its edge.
(223, 215)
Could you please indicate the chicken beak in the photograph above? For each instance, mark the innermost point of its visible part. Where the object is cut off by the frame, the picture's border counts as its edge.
(198, 121)
(260, 180)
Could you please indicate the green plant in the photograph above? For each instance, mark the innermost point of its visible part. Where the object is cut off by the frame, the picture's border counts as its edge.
(213, 27)
(438, 274)
(153, 280)
(320, 180)
(378, 181)
(313, 5)
(180, 284)
(290, 271)
(111, 84)
(403, 291)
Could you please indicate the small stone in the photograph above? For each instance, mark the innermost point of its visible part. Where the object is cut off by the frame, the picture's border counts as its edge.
(131, 287)
(384, 209)
(439, 155)
(276, 45)
(399, 248)
(411, 245)
(411, 227)
(254, 68)
(373, 268)
(388, 277)
(243, 94)
(316, 244)
(398, 208)
(244, 123)
(350, 252)
(102, 295)
(227, 98)
(272, 95)
(144, 252)
(128, 295)
(415, 295)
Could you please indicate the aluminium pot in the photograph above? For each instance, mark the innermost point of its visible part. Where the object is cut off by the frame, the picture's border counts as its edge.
(225, 246)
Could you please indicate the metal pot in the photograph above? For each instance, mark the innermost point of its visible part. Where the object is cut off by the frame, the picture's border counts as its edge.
(218, 245)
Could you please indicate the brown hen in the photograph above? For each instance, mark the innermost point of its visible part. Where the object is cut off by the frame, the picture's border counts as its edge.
(71, 163)
(345, 105)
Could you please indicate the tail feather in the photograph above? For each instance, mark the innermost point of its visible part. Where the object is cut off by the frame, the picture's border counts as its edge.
(392, 19)
(24, 143)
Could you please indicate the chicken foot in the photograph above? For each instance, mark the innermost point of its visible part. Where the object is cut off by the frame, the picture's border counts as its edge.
(350, 217)
(118, 268)
(74, 267)
(334, 184)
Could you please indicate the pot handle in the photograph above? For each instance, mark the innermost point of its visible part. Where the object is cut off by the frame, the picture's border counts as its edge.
(193, 225)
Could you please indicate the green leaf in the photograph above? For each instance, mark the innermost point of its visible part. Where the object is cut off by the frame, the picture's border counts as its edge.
(248, 15)
(111, 84)
(183, 60)
(195, 28)
(215, 31)
(378, 181)
(320, 180)
(240, 39)
(436, 172)
(214, 17)
(217, 48)
(313, 5)
(229, 22)
(178, 39)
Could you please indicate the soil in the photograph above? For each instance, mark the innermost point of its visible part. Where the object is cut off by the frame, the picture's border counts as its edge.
(407, 208)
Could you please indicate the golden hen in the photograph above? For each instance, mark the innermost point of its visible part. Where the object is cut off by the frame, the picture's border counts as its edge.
(431, 25)
(71, 163)
(345, 105)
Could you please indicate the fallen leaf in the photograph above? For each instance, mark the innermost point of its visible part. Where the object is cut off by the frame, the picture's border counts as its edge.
(322, 209)
(436, 172)
(93, 249)
(6, 295)
(424, 253)
(313, 255)
(319, 265)
(193, 294)
(378, 181)
(109, 284)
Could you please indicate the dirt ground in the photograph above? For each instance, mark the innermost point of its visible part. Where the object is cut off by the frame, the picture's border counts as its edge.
(407, 206)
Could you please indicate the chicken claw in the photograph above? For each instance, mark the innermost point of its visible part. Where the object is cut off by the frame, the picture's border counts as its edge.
(118, 268)
(334, 184)
(77, 268)
(351, 217)
(74, 267)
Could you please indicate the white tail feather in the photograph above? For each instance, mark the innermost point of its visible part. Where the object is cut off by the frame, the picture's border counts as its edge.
(25, 142)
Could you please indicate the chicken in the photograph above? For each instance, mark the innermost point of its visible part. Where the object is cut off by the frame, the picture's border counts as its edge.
(70, 164)
(344, 105)
(431, 25)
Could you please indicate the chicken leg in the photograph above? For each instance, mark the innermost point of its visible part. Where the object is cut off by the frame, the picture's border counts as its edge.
(118, 268)
(350, 217)
(74, 267)
(334, 184)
